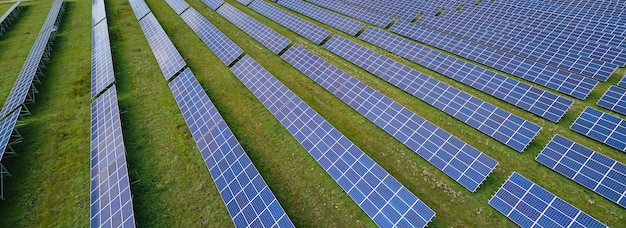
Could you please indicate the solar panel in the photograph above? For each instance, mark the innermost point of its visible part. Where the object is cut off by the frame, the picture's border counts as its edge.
(213, 4)
(499, 124)
(298, 25)
(98, 12)
(265, 35)
(247, 197)
(225, 49)
(102, 74)
(574, 85)
(588, 168)
(529, 205)
(375, 19)
(622, 83)
(245, 2)
(111, 203)
(463, 163)
(139, 8)
(6, 131)
(603, 127)
(614, 99)
(178, 5)
(345, 24)
(381, 196)
(164, 51)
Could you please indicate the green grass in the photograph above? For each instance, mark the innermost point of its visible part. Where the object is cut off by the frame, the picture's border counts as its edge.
(171, 184)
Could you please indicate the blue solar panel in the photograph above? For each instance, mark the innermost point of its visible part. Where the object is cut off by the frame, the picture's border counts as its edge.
(591, 169)
(614, 99)
(111, 204)
(457, 159)
(139, 8)
(381, 196)
(574, 85)
(245, 2)
(102, 74)
(164, 51)
(501, 125)
(329, 18)
(6, 130)
(265, 35)
(529, 205)
(622, 83)
(220, 44)
(376, 19)
(178, 5)
(98, 11)
(298, 25)
(213, 4)
(247, 197)
(603, 127)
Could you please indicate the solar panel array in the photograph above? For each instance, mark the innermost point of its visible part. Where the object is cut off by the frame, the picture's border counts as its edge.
(381, 196)
(164, 51)
(463, 163)
(225, 49)
(296, 24)
(529, 205)
(329, 18)
(9, 16)
(102, 75)
(603, 127)
(21, 91)
(614, 99)
(139, 8)
(260, 32)
(213, 4)
(111, 203)
(247, 197)
(574, 85)
(178, 5)
(591, 169)
(6, 131)
(499, 124)
(376, 19)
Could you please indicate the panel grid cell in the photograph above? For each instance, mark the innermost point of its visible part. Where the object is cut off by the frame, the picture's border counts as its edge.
(6, 130)
(111, 204)
(381, 196)
(586, 167)
(260, 32)
(602, 127)
(296, 24)
(463, 163)
(247, 197)
(329, 18)
(102, 74)
(529, 205)
(225, 49)
(165, 52)
(614, 99)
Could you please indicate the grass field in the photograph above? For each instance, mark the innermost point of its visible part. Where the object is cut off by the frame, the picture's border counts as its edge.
(171, 185)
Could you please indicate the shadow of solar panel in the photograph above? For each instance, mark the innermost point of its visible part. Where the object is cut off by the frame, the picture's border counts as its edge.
(247, 197)
(166, 54)
(6, 130)
(376, 19)
(463, 163)
(329, 18)
(101, 63)
(213, 4)
(178, 5)
(381, 196)
(497, 123)
(225, 49)
(614, 99)
(98, 11)
(111, 204)
(265, 35)
(139, 8)
(586, 167)
(529, 205)
(602, 127)
(570, 84)
(298, 25)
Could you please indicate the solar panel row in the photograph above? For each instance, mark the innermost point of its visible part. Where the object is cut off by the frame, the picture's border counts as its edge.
(329, 18)
(376, 19)
(9, 16)
(247, 197)
(245, 2)
(401, 9)
(622, 83)
(296, 24)
(591, 169)
(603, 127)
(260, 32)
(140, 8)
(463, 163)
(574, 85)
(499, 124)
(98, 12)
(213, 4)
(225, 49)
(111, 203)
(614, 99)
(529, 205)
(166, 54)
(381, 196)
(102, 75)
(7, 129)
(178, 5)
(23, 90)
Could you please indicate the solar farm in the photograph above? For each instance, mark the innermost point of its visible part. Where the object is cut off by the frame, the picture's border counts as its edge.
(316, 113)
